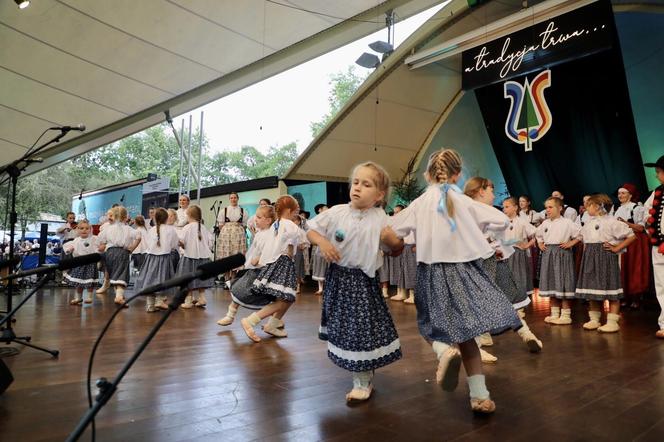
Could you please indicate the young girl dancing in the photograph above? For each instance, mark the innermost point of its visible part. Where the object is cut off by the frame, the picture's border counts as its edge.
(240, 288)
(555, 238)
(276, 280)
(481, 190)
(102, 267)
(83, 277)
(360, 332)
(117, 241)
(138, 255)
(456, 299)
(158, 267)
(197, 243)
(318, 263)
(604, 238)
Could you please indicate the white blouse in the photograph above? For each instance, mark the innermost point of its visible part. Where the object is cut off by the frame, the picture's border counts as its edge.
(625, 211)
(520, 230)
(182, 217)
(278, 241)
(117, 235)
(534, 218)
(583, 219)
(557, 231)
(141, 232)
(436, 241)
(256, 248)
(82, 246)
(195, 248)
(601, 229)
(355, 233)
(168, 240)
(235, 215)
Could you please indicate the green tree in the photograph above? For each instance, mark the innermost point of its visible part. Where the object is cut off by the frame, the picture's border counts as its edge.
(343, 86)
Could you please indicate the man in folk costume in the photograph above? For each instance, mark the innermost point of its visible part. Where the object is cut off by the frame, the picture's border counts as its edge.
(635, 262)
(654, 207)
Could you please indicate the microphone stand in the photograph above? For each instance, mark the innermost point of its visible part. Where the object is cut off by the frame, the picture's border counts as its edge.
(13, 171)
(215, 209)
(8, 334)
(106, 388)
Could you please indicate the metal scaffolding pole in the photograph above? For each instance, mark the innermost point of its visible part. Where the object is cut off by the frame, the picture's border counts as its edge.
(200, 162)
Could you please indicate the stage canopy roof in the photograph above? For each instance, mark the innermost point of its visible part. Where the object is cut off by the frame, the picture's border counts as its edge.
(398, 110)
(116, 66)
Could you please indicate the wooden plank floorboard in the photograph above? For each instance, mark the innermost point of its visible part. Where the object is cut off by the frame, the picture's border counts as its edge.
(199, 381)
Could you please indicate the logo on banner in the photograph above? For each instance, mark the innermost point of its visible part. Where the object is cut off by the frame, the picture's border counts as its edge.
(529, 118)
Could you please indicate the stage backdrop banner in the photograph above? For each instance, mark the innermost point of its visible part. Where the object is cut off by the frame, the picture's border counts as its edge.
(590, 144)
(584, 31)
(96, 205)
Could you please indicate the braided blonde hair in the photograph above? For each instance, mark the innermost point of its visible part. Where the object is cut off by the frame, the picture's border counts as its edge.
(442, 165)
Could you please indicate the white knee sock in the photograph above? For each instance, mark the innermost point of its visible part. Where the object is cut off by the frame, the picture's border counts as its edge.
(320, 286)
(439, 348)
(362, 379)
(477, 386)
(232, 310)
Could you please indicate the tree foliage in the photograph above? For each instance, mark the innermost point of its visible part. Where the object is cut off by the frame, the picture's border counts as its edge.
(154, 150)
(343, 86)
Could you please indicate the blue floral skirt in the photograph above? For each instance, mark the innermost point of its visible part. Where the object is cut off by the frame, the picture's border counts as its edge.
(361, 334)
(458, 301)
(277, 280)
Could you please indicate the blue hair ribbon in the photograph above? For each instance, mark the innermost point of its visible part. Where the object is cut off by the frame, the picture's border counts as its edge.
(442, 204)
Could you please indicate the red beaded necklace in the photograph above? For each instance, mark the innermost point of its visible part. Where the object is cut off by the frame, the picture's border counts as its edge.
(654, 220)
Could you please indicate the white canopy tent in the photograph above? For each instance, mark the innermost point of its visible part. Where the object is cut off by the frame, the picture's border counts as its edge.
(405, 101)
(116, 66)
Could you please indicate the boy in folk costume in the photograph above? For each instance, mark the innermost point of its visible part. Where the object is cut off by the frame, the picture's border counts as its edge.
(654, 207)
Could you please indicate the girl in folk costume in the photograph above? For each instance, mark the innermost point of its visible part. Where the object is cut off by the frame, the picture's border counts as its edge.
(240, 288)
(276, 281)
(456, 299)
(138, 255)
(197, 243)
(481, 190)
(635, 263)
(654, 207)
(251, 222)
(318, 263)
(231, 225)
(604, 237)
(158, 265)
(183, 205)
(300, 269)
(175, 253)
(522, 234)
(360, 333)
(556, 237)
(534, 218)
(407, 271)
(102, 266)
(83, 277)
(117, 241)
(394, 267)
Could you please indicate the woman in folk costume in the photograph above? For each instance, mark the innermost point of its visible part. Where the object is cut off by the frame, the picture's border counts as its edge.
(635, 263)
(231, 226)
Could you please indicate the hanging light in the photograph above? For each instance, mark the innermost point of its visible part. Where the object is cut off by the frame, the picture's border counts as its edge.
(367, 60)
(22, 4)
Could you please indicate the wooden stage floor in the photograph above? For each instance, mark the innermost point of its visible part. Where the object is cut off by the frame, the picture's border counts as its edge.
(199, 381)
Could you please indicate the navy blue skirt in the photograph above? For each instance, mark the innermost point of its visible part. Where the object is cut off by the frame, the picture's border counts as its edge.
(360, 333)
(242, 294)
(277, 280)
(85, 276)
(458, 301)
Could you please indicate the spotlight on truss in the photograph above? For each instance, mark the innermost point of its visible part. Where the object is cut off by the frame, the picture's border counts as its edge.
(369, 61)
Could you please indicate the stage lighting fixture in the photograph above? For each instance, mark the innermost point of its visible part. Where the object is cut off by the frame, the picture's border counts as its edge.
(22, 4)
(369, 61)
(381, 47)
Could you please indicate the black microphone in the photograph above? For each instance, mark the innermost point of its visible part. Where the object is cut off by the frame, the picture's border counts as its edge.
(205, 271)
(80, 127)
(64, 264)
(122, 198)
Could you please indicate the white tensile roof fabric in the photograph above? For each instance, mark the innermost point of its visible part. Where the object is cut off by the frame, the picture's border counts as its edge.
(116, 66)
(398, 110)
